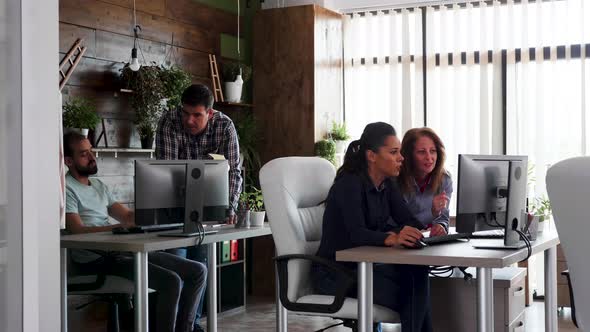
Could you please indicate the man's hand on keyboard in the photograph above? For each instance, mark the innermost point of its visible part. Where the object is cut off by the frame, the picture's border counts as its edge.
(437, 230)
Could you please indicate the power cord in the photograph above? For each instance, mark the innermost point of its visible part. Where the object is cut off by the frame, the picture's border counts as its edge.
(441, 271)
(527, 242)
(200, 233)
(447, 272)
(496, 224)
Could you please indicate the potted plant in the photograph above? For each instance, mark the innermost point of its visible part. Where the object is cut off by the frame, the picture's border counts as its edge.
(255, 203)
(340, 136)
(146, 98)
(248, 139)
(155, 88)
(175, 80)
(243, 212)
(540, 207)
(79, 116)
(234, 75)
(326, 149)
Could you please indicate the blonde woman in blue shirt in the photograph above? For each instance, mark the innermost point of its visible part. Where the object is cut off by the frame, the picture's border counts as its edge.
(423, 180)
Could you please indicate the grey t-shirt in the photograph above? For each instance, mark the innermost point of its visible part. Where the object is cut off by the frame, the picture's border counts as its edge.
(91, 203)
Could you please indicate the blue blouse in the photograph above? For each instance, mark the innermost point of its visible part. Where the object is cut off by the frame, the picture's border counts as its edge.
(420, 203)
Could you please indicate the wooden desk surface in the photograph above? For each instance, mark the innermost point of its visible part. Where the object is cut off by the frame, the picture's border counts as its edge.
(449, 254)
(147, 242)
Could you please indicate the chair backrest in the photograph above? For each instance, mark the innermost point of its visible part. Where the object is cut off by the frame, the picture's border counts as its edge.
(568, 187)
(294, 189)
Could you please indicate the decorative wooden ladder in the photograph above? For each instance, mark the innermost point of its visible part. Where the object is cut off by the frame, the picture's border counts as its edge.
(217, 93)
(72, 58)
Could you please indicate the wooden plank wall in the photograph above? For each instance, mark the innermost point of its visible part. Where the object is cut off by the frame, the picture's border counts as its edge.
(183, 32)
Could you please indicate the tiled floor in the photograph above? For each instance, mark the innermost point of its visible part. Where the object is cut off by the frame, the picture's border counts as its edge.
(260, 316)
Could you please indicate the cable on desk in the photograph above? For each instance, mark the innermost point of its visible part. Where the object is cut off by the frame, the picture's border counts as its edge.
(200, 233)
(441, 271)
(527, 242)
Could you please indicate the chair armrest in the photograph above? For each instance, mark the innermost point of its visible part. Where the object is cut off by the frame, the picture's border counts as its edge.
(566, 273)
(344, 285)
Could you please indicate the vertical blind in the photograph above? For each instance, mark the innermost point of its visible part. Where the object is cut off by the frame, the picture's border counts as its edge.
(501, 77)
(383, 69)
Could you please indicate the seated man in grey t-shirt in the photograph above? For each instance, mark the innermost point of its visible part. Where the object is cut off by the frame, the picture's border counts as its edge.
(179, 282)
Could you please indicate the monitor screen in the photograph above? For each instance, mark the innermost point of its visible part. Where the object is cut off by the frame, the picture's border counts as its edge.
(491, 190)
(161, 186)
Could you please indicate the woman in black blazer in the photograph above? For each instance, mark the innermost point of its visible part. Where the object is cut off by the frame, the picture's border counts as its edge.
(365, 208)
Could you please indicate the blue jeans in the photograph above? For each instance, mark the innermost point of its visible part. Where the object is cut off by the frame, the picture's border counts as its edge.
(401, 288)
(199, 254)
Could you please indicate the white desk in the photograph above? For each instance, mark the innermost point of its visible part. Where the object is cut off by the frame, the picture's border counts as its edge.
(140, 245)
(456, 254)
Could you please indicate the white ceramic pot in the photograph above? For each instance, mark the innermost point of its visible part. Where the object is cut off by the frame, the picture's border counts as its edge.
(341, 146)
(543, 223)
(81, 131)
(233, 91)
(257, 218)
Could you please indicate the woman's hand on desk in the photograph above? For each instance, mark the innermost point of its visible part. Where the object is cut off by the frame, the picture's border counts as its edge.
(406, 237)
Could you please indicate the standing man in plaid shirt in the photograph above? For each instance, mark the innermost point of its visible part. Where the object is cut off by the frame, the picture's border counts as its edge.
(193, 131)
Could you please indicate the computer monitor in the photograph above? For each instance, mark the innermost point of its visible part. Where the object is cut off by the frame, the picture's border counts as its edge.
(491, 193)
(181, 192)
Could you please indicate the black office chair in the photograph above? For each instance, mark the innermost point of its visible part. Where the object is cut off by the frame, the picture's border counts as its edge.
(114, 290)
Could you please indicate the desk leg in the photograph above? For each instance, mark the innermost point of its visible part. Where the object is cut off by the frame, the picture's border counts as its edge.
(485, 300)
(212, 288)
(551, 289)
(281, 312)
(141, 291)
(64, 289)
(365, 297)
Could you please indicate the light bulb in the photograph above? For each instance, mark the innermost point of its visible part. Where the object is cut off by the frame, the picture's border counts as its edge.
(134, 65)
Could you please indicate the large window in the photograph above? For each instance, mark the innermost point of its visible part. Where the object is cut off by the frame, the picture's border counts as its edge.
(383, 69)
(489, 77)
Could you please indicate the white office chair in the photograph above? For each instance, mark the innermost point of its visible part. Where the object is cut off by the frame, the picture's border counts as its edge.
(294, 189)
(568, 187)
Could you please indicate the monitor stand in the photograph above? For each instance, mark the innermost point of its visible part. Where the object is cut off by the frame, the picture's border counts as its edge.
(496, 244)
(193, 204)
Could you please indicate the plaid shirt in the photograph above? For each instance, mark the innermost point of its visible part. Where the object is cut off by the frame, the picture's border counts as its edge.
(220, 137)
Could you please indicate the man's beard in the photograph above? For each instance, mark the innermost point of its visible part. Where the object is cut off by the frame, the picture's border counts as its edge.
(88, 170)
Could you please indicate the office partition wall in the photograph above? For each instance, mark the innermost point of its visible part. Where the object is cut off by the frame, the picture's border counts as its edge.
(29, 181)
(11, 297)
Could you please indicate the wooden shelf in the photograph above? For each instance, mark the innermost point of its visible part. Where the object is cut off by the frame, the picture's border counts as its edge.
(227, 103)
(116, 151)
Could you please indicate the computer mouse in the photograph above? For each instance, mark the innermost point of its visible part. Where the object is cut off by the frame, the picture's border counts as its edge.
(418, 245)
(120, 230)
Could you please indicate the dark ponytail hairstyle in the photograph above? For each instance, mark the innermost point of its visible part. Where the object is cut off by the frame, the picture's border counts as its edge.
(373, 137)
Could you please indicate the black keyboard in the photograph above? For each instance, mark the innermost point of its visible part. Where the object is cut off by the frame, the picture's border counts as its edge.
(155, 228)
(445, 238)
(491, 234)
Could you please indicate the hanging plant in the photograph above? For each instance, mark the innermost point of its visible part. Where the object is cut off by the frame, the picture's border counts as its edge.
(155, 88)
(146, 99)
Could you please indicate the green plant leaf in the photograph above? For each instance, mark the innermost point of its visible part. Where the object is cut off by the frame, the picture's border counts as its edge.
(327, 150)
(230, 70)
(79, 113)
(339, 132)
